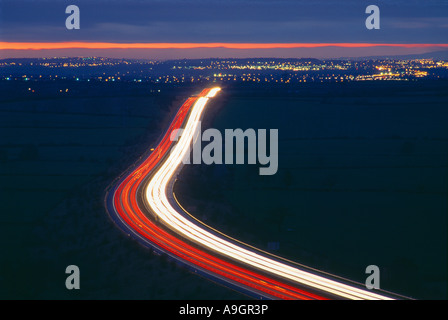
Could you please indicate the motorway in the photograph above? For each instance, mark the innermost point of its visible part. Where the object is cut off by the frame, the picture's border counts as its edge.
(141, 204)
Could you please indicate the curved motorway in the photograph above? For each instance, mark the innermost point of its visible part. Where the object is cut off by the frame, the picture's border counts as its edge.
(142, 204)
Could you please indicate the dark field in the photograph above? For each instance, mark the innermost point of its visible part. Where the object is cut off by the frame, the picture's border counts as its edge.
(362, 180)
(58, 154)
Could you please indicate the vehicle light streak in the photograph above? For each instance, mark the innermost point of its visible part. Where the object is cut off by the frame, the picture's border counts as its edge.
(156, 223)
(159, 203)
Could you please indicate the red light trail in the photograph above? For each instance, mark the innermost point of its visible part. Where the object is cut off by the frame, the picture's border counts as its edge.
(139, 205)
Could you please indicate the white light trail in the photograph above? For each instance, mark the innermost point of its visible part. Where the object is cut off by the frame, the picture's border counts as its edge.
(157, 199)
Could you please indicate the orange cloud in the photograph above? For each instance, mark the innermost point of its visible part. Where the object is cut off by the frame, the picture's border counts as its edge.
(107, 45)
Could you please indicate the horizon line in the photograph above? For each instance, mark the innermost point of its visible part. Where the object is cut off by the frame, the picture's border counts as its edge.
(193, 45)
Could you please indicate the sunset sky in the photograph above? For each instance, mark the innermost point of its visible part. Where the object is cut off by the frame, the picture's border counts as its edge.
(221, 28)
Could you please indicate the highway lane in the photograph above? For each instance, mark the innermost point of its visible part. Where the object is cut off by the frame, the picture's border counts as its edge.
(140, 206)
(140, 225)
